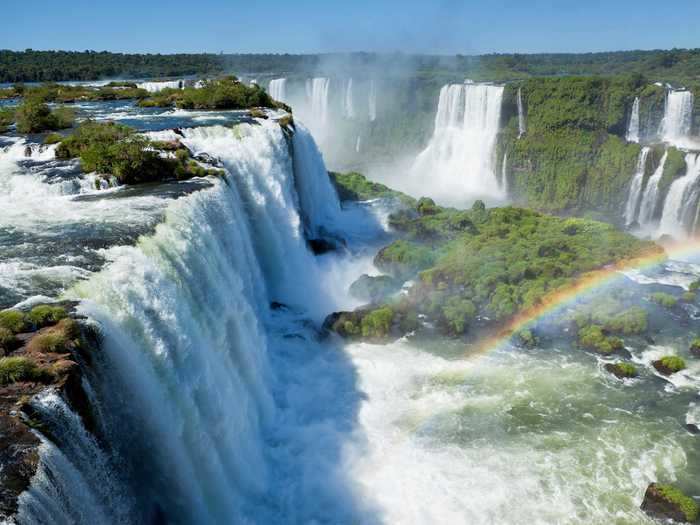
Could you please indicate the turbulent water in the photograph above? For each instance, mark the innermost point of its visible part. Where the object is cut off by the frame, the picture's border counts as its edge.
(218, 398)
(458, 162)
(349, 100)
(317, 90)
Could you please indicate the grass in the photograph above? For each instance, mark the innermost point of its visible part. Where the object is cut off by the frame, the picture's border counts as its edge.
(45, 314)
(14, 321)
(14, 369)
(686, 504)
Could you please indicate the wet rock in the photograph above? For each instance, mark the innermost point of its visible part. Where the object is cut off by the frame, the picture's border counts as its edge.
(178, 131)
(321, 246)
(274, 305)
(667, 502)
(622, 370)
(28, 151)
(208, 159)
(692, 428)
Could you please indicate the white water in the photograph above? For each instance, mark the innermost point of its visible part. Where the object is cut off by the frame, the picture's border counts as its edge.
(317, 97)
(677, 121)
(680, 206)
(504, 174)
(348, 101)
(522, 128)
(155, 87)
(372, 101)
(635, 192)
(458, 165)
(650, 197)
(633, 128)
(278, 89)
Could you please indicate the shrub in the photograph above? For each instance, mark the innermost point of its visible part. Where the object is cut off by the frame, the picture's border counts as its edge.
(14, 369)
(458, 314)
(8, 340)
(594, 338)
(34, 116)
(7, 117)
(57, 339)
(622, 370)
(53, 138)
(14, 321)
(673, 363)
(46, 314)
(664, 299)
(377, 323)
(688, 297)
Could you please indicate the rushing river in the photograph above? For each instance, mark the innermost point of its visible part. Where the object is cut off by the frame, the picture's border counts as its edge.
(217, 407)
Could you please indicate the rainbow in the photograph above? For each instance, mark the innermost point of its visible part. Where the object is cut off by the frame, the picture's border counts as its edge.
(585, 283)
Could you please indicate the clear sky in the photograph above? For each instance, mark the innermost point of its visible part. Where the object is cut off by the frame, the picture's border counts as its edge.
(309, 26)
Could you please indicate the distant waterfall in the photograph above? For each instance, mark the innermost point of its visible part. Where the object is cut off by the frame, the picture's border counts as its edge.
(317, 106)
(633, 128)
(358, 144)
(155, 87)
(678, 115)
(635, 193)
(521, 115)
(458, 163)
(278, 89)
(651, 194)
(348, 101)
(504, 174)
(681, 203)
(372, 102)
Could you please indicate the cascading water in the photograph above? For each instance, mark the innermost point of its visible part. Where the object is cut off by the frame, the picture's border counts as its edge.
(651, 193)
(521, 114)
(635, 192)
(458, 162)
(317, 95)
(680, 206)
(677, 121)
(633, 128)
(504, 174)
(278, 89)
(155, 87)
(372, 102)
(348, 101)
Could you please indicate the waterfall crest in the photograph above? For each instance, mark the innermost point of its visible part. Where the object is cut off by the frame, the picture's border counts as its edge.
(155, 87)
(459, 158)
(677, 121)
(635, 192)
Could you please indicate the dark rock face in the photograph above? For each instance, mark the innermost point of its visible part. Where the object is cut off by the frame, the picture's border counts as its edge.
(657, 505)
(19, 455)
(693, 429)
(321, 246)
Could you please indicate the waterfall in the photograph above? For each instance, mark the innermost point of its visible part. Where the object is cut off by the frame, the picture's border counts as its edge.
(358, 143)
(278, 89)
(521, 115)
(678, 115)
(682, 200)
(372, 103)
(348, 102)
(633, 128)
(650, 197)
(504, 174)
(155, 87)
(632, 206)
(458, 162)
(185, 356)
(317, 95)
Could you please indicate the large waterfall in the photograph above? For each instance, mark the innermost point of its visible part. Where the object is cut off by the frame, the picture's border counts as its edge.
(458, 163)
(633, 128)
(677, 121)
(681, 202)
(278, 89)
(372, 101)
(317, 95)
(155, 87)
(651, 194)
(192, 354)
(635, 192)
(348, 101)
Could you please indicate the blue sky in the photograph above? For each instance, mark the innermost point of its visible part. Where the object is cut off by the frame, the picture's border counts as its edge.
(308, 26)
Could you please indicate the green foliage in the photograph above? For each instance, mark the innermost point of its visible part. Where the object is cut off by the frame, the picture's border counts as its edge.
(356, 187)
(53, 138)
(612, 317)
(377, 323)
(621, 370)
(403, 258)
(688, 297)
(14, 369)
(673, 363)
(664, 299)
(7, 117)
(458, 313)
(34, 116)
(685, 503)
(8, 340)
(695, 285)
(695, 345)
(594, 338)
(116, 149)
(14, 321)
(46, 314)
(527, 338)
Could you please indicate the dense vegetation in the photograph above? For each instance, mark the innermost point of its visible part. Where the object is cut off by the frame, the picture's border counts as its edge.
(34, 116)
(115, 149)
(574, 157)
(356, 187)
(224, 93)
(39, 66)
(52, 92)
(483, 266)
